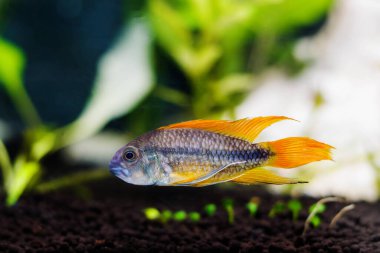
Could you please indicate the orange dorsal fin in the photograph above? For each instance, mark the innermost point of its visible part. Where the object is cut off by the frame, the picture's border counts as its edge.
(246, 129)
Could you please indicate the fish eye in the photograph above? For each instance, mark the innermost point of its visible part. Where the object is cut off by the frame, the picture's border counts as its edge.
(129, 155)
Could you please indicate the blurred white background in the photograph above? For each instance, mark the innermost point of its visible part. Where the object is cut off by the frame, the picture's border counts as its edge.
(345, 75)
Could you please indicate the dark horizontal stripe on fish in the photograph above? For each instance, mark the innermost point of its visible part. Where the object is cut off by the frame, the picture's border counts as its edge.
(255, 154)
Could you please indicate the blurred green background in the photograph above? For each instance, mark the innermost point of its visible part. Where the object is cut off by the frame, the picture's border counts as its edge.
(76, 70)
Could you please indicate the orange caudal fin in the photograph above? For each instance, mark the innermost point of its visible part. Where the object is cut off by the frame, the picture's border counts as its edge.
(296, 151)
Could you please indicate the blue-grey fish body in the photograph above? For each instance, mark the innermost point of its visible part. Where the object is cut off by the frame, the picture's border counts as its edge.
(198, 154)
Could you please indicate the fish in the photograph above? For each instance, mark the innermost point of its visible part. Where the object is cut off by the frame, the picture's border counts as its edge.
(206, 152)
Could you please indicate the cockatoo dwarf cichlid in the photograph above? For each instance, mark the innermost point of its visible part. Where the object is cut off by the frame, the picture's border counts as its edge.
(206, 152)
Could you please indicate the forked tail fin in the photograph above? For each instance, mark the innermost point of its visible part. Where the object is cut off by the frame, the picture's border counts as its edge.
(296, 151)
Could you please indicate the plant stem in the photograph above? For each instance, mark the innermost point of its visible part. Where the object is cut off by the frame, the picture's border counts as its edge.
(314, 212)
(230, 213)
(5, 163)
(23, 173)
(171, 95)
(70, 180)
(339, 215)
(24, 104)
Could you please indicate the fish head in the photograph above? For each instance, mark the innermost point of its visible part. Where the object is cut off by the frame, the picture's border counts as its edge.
(131, 164)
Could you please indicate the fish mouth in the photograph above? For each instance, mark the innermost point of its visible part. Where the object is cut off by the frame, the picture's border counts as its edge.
(119, 171)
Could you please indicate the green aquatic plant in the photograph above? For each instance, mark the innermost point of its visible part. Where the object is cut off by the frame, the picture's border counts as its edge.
(228, 205)
(165, 216)
(152, 213)
(315, 210)
(41, 139)
(210, 209)
(180, 215)
(253, 206)
(293, 205)
(278, 208)
(194, 216)
(295, 208)
(12, 64)
(217, 45)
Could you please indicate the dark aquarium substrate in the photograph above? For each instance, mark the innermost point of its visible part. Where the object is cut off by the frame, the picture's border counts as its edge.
(109, 218)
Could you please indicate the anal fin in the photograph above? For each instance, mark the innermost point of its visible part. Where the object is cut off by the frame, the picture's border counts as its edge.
(263, 176)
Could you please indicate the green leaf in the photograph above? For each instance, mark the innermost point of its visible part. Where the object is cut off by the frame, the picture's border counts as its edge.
(151, 213)
(227, 202)
(315, 221)
(279, 207)
(171, 95)
(41, 141)
(284, 15)
(12, 62)
(194, 216)
(169, 25)
(5, 163)
(234, 17)
(295, 207)
(175, 35)
(210, 209)
(228, 205)
(202, 12)
(23, 174)
(71, 180)
(179, 216)
(252, 208)
(166, 215)
(197, 62)
(232, 84)
(319, 208)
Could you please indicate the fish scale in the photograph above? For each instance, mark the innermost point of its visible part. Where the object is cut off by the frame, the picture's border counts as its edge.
(191, 150)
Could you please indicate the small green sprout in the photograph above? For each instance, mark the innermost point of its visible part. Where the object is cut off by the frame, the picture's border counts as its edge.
(179, 215)
(295, 207)
(194, 216)
(152, 213)
(315, 221)
(278, 208)
(253, 206)
(166, 215)
(316, 209)
(228, 205)
(210, 209)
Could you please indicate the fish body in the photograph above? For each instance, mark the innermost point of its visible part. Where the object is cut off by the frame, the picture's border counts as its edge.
(205, 152)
